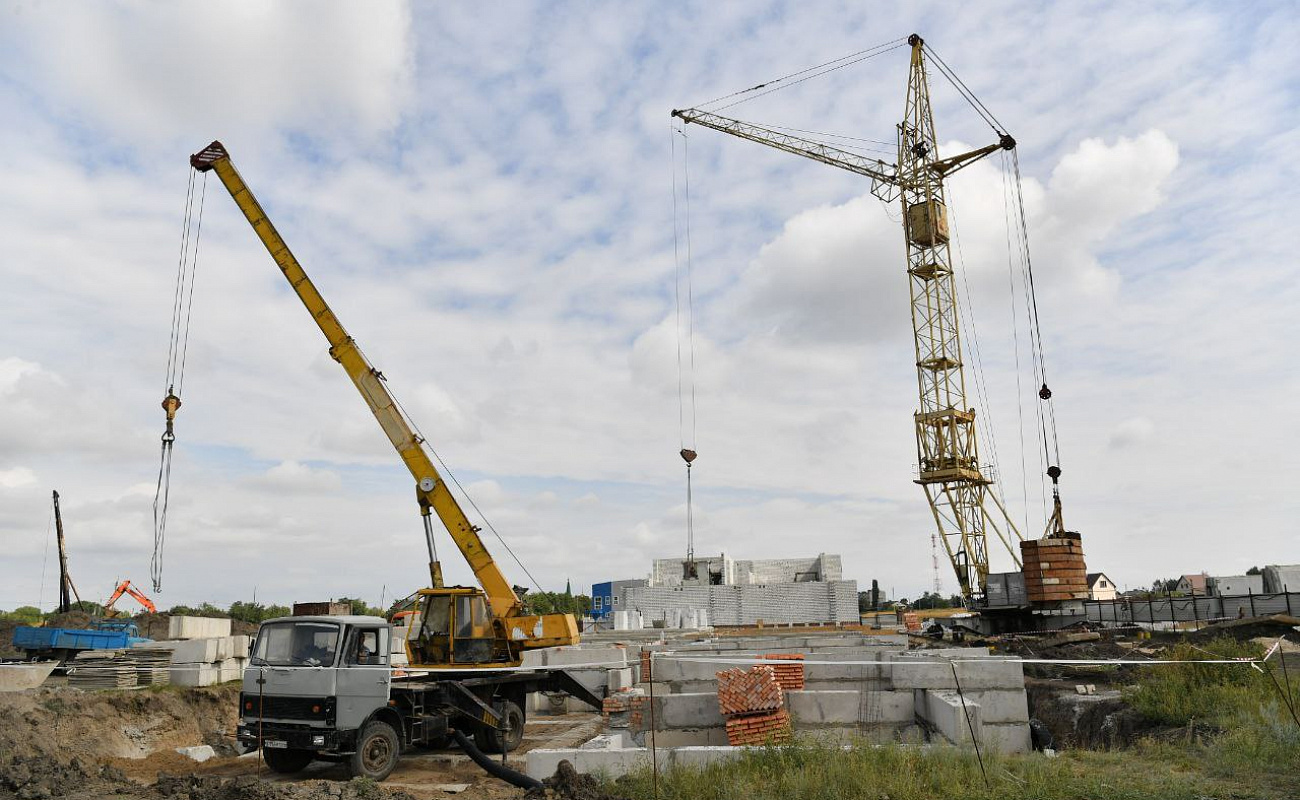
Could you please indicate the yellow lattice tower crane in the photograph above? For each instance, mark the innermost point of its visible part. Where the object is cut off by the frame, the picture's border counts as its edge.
(961, 495)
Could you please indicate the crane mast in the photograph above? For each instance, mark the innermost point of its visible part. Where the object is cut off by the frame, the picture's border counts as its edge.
(961, 497)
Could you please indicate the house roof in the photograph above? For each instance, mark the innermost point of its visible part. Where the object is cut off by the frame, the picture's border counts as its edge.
(1195, 581)
(1093, 576)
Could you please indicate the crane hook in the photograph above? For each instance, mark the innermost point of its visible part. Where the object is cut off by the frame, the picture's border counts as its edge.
(688, 456)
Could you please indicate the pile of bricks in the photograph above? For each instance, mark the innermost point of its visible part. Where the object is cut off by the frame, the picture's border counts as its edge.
(771, 728)
(753, 702)
(617, 708)
(788, 674)
(749, 691)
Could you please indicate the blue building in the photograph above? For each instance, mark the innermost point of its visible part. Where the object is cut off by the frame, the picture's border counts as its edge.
(607, 597)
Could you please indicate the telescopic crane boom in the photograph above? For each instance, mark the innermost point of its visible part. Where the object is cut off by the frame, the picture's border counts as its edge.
(492, 636)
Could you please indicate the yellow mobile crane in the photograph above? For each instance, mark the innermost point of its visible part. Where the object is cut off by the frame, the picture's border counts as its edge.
(460, 627)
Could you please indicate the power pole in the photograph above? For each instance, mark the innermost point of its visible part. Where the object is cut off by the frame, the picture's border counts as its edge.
(66, 589)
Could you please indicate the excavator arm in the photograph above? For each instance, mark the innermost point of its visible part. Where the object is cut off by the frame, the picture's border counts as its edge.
(125, 587)
(432, 493)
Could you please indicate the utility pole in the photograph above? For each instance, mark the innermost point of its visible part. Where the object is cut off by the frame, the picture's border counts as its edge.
(66, 589)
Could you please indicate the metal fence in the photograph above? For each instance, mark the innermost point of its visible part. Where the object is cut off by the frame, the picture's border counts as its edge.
(1173, 610)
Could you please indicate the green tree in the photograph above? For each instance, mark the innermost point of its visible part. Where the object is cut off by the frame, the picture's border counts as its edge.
(23, 615)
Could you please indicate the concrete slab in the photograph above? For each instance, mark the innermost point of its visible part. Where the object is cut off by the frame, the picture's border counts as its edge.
(944, 710)
(1012, 738)
(999, 706)
(17, 677)
(990, 673)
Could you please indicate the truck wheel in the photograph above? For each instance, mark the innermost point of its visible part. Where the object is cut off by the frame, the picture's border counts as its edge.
(287, 762)
(490, 741)
(377, 752)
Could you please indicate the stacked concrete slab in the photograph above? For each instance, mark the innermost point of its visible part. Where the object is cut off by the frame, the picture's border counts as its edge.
(182, 627)
(856, 687)
(206, 661)
(810, 601)
(602, 668)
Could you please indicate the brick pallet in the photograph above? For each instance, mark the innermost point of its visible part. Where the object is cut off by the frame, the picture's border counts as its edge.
(788, 675)
(754, 729)
(751, 691)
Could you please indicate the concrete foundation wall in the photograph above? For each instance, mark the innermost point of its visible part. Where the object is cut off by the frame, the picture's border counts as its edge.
(833, 601)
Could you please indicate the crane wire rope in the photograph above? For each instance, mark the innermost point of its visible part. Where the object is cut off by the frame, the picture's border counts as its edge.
(177, 353)
(985, 420)
(45, 558)
(688, 454)
(965, 92)
(1045, 409)
(817, 70)
(465, 493)
(1015, 334)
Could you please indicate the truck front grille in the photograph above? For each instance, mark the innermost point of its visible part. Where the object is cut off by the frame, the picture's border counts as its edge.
(278, 707)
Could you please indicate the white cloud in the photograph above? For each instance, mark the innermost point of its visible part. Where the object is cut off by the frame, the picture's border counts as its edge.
(294, 478)
(484, 200)
(1132, 432)
(16, 478)
(140, 71)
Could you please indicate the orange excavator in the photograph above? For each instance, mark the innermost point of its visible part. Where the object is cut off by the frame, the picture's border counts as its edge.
(125, 587)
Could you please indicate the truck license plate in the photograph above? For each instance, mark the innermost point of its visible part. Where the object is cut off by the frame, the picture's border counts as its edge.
(275, 744)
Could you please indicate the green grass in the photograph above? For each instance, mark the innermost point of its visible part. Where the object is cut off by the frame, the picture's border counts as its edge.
(811, 771)
(1226, 734)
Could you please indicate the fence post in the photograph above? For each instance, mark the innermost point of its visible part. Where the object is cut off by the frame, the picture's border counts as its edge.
(1251, 592)
(1196, 614)
(1173, 618)
(1288, 602)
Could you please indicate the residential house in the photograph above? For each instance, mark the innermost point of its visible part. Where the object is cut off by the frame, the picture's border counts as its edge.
(1193, 584)
(1100, 587)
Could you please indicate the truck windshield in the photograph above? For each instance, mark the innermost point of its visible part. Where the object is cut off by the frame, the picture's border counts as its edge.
(296, 644)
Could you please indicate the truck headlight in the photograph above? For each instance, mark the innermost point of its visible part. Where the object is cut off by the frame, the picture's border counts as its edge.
(318, 740)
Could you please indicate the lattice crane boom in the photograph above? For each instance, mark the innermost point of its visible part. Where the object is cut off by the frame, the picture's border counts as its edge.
(964, 506)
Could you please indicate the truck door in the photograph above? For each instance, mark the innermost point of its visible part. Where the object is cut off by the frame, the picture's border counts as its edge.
(363, 676)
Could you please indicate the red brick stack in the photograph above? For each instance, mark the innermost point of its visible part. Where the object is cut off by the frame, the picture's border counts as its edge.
(788, 674)
(771, 728)
(751, 691)
(753, 702)
(617, 703)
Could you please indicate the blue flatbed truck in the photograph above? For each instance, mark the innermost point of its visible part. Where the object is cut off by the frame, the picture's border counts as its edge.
(64, 643)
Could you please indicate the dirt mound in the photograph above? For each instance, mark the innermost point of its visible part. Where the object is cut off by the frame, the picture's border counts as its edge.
(568, 784)
(39, 777)
(64, 723)
(247, 787)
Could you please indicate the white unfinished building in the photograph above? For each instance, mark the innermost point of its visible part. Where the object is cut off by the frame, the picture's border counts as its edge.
(719, 590)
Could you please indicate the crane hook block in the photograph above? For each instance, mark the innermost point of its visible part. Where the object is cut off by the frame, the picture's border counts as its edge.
(688, 455)
(1045, 393)
(171, 404)
(1054, 472)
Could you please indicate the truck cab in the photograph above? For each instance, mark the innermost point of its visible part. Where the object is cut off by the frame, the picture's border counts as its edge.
(319, 687)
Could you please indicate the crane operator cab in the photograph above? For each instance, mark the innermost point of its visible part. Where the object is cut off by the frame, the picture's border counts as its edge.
(456, 628)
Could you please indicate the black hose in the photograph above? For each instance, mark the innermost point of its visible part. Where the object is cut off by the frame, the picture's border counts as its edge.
(494, 768)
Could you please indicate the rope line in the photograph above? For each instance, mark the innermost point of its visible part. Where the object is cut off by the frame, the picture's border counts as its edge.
(766, 84)
(178, 340)
(424, 440)
(965, 92)
(857, 58)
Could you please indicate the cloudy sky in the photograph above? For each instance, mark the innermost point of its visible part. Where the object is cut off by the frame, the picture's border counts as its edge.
(485, 196)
